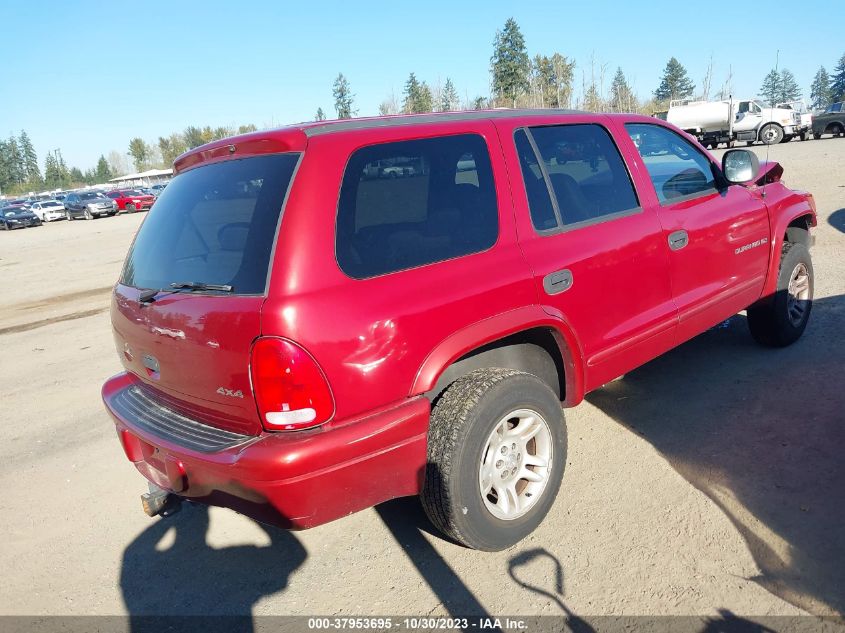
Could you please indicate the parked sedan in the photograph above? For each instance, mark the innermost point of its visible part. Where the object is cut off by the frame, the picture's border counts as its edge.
(832, 121)
(131, 200)
(17, 217)
(49, 210)
(88, 205)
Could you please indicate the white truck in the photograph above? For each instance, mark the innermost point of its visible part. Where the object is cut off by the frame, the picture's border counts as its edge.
(714, 122)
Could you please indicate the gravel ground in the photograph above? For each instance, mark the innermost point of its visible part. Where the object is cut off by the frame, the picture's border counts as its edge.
(710, 479)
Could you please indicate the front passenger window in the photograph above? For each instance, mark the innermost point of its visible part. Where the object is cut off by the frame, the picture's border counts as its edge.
(677, 169)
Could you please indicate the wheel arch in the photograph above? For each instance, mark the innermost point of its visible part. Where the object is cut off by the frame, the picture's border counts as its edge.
(793, 226)
(527, 339)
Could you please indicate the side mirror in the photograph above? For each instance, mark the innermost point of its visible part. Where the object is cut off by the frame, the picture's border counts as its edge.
(740, 165)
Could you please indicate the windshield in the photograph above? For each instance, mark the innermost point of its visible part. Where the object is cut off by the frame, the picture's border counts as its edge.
(214, 224)
(132, 192)
(50, 204)
(90, 195)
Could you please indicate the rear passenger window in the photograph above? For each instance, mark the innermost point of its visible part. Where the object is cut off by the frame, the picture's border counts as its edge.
(413, 203)
(583, 169)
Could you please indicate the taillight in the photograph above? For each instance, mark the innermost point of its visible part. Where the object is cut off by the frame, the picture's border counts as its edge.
(290, 389)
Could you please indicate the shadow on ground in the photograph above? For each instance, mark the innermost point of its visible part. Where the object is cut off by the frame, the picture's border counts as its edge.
(188, 577)
(837, 220)
(762, 433)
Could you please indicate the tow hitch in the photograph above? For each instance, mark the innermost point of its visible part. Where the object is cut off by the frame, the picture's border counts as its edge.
(160, 502)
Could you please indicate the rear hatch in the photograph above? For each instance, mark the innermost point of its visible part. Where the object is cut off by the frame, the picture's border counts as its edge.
(188, 304)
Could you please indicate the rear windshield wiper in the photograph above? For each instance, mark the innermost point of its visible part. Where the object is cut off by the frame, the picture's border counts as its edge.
(149, 295)
(198, 285)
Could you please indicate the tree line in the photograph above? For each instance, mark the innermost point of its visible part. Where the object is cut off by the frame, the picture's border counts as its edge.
(517, 80)
(549, 81)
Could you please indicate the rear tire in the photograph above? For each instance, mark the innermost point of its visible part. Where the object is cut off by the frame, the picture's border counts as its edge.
(476, 449)
(782, 319)
(817, 135)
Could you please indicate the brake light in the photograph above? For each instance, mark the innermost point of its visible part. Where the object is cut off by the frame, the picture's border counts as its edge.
(290, 389)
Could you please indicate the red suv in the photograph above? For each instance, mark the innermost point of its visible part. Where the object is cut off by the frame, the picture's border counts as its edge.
(320, 318)
(131, 200)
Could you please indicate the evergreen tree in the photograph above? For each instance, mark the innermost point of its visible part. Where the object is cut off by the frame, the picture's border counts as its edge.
(837, 81)
(103, 172)
(770, 90)
(788, 89)
(412, 95)
(510, 65)
(592, 99)
(820, 92)
(343, 97)
(320, 116)
(52, 175)
(479, 103)
(418, 97)
(32, 173)
(675, 83)
(15, 165)
(449, 99)
(139, 152)
(425, 100)
(622, 98)
(76, 176)
(61, 168)
(5, 167)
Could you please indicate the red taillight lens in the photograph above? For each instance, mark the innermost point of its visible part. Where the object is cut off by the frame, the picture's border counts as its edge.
(290, 389)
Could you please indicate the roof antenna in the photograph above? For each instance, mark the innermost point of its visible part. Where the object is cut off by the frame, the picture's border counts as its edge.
(771, 117)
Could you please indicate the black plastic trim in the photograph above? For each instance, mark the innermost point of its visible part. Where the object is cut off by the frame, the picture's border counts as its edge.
(144, 411)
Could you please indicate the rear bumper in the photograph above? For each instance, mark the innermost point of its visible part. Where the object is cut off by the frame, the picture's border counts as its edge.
(294, 480)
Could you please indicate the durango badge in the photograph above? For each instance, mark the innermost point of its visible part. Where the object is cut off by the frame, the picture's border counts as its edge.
(753, 244)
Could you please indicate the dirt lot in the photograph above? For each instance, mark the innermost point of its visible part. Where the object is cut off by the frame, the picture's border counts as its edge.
(710, 479)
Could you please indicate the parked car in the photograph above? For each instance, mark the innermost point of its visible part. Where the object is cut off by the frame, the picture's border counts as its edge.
(131, 200)
(418, 336)
(831, 121)
(49, 210)
(17, 217)
(158, 188)
(88, 205)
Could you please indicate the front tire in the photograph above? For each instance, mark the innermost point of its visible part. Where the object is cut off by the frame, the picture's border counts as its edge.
(771, 134)
(782, 319)
(496, 455)
(130, 208)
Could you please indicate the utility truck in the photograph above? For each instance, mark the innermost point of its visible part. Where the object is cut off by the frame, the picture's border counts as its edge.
(714, 122)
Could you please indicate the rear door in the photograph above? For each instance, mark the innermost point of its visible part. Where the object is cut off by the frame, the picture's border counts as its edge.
(215, 224)
(717, 234)
(598, 256)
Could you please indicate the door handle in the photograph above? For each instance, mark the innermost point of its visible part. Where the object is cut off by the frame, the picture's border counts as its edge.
(678, 239)
(558, 281)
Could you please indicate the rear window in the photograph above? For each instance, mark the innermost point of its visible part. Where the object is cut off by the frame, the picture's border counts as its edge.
(215, 225)
(412, 203)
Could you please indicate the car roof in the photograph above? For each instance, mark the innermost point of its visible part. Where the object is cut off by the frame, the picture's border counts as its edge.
(294, 138)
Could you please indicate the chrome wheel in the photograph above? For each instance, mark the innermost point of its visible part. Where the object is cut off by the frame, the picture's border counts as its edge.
(515, 464)
(798, 294)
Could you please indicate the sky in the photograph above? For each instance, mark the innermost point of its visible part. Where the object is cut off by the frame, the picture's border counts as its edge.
(86, 76)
